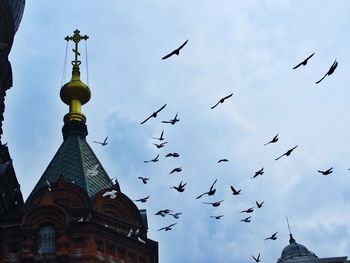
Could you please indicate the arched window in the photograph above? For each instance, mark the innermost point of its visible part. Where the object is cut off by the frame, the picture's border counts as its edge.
(46, 239)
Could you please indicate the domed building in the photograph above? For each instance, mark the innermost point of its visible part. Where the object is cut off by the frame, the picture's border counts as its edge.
(75, 213)
(298, 253)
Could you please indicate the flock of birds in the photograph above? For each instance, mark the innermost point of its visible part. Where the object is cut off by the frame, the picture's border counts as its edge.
(160, 143)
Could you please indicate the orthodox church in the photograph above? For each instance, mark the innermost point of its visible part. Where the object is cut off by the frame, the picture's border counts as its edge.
(75, 213)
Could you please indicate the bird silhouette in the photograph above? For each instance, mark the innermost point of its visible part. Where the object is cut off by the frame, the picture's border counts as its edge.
(222, 160)
(143, 179)
(273, 237)
(249, 210)
(246, 220)
(330, 71)
(167, 228)
(172, 155)
(180, 188)
(142, 200)
(260, 172)
(211, 191)
(172, 121)
(304, 62)
(163, 212)
(214, 204)
(217, 217)
(161, 138)
(155, 159)
(274, 139)
(259, 205)
(326, 172)
(221, 100)
(176, 51)
(102, 143)
(112, 194)
(234, 191)
(287, 153)
(93, 171)
(257, 259)
(177, 170)
(176, 215)
(160, 145)
(154, 114)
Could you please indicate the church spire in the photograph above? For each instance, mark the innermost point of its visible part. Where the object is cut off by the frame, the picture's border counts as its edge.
(291, 239)
(75, 93)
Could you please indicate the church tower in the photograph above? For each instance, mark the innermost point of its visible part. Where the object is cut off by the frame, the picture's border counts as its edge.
(75, 213)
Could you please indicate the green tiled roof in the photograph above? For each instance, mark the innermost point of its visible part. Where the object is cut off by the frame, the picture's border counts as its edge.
(72, 160)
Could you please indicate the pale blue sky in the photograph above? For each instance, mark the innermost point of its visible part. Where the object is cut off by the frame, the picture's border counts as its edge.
(247, 48)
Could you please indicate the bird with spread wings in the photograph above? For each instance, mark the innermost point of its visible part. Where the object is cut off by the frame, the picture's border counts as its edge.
(176, 51)
(154, 114)
(222, 100)
(304, 62)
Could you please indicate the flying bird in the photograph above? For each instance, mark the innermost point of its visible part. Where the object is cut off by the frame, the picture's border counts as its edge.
(260, 172)
(155, 159)
(249, 210)
(211, 191)
(217, 217)
(167, 228)
(273, 237)
(222, 160)
(246, 220)
(143, 179)
(172, 121)
(303, 63)
(172, 155)
(112, 194)
(259, 205)
(330, 71)
(154, 114)
(177, 170)
(274, 139)
(163, 212)
(176, 215)
(102, 143)
(326, 172)
(234, 191)
(161, 138)
(161, 145)
(257, 259)
(141, 240)
(142, 200)
(222, 100)
(176, 51)
(93, 171)
(287, 153)
(48, 185)
(180, 188)
(214, 204)
(130, 233)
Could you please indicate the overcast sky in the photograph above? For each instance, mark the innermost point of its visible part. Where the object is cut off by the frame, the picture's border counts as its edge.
(247, 48)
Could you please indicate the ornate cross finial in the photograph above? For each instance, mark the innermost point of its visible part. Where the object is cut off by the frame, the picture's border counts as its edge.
(76, 39)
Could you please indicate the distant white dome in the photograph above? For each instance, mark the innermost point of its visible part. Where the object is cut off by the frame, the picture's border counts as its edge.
(295, 252)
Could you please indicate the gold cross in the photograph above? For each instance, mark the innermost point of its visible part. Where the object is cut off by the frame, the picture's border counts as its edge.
(76, 39)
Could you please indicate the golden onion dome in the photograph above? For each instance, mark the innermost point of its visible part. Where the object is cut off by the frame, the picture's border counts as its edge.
(75, 89)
